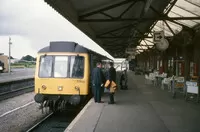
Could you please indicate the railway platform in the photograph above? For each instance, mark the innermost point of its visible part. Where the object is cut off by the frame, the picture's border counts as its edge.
(17, 74)
(141, 108)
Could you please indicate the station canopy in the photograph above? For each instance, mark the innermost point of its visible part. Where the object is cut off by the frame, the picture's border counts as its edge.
(119, 24)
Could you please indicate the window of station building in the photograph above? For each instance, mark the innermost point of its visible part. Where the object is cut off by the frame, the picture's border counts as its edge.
(60, 66)
(45, 68)
(77, 67)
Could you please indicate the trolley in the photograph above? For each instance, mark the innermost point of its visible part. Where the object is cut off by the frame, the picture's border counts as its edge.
(178, 86)
(192, 90)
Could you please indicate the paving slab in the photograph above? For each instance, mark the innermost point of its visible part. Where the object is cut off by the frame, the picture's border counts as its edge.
(141, 108)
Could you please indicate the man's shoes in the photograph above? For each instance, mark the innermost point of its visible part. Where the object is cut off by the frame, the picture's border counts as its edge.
(101, 102)
(111, 102)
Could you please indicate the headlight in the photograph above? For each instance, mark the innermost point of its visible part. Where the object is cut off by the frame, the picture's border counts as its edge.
(60, 88)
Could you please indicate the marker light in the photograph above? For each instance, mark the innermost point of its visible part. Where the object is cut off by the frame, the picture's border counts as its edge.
(77, 88)
(44, 87)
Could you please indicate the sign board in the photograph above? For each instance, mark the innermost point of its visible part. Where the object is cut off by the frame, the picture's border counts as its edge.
(188, 83)
(192, 87)
(157, 36)
(130, 51)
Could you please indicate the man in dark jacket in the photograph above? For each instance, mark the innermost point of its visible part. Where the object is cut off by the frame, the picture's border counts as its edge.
(123, 80)
(98, 81)
(112, 77)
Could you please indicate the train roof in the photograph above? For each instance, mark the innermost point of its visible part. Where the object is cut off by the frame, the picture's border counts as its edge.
(63, 46)
(67, 46)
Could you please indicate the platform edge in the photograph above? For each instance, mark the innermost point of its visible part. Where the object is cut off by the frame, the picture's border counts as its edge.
(71, 125)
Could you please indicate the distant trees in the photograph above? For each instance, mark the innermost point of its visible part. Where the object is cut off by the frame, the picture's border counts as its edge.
(11, 57)
(28, 58)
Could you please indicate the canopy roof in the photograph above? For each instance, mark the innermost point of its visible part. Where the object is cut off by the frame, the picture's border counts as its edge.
(118, 24)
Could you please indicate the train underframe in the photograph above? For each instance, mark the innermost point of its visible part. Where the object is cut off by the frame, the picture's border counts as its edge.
(60, 102)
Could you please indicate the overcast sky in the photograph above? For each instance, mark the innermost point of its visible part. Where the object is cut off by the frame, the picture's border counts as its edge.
(32, 24)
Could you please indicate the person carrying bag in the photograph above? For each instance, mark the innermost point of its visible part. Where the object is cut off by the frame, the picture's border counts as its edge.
(111, 83)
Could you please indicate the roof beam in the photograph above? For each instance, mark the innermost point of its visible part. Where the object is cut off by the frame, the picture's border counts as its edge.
(149, 31)
(121, 37)
(187, 10)
(178, 23)
(127, 9)
(170, 7)
(183, 16)
(105, 14)
(149, 41)
(146, 43)
(167, 12)
(170, 28)
(107, 8)
(193, 3)
(117, 29)
(161, 28)
(137, 19)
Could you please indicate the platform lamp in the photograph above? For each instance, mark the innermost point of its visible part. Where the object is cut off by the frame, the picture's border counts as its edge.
(9, 67)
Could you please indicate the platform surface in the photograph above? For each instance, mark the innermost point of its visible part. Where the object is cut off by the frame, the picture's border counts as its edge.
(17, 74)
(141, 108)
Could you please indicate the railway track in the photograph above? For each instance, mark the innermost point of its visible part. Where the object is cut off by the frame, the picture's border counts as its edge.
(16, 92)
(16, 87)
(34, 127)
(57, 121)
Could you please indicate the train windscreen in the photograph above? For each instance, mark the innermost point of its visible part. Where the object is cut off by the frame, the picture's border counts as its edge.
(61, 67)
(77, 67)
(45, 70)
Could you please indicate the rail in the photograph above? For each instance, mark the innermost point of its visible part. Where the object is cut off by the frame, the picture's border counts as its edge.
(34, 127)
(16, 87)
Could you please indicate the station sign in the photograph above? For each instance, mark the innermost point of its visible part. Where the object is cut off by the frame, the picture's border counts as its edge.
(157, 36)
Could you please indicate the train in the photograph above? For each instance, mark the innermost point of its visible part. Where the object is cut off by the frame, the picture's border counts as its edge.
(3, 63)
(63, 74)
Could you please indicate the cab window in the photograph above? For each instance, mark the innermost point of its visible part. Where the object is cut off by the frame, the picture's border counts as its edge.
(45, 66)
(77, 67)
(60, 66)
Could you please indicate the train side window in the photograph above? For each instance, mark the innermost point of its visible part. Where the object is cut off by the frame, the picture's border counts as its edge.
(45, 69)
(77, 67)
(61, 66)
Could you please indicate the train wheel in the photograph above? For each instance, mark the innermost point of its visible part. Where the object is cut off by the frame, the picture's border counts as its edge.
(51, 105)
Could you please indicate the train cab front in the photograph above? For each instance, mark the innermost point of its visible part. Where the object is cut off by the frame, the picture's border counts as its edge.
(61, 78)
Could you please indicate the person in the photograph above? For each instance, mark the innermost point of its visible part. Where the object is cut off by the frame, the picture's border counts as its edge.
(170, 72)
(112, 78)
(98, 81)
(123, 80)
